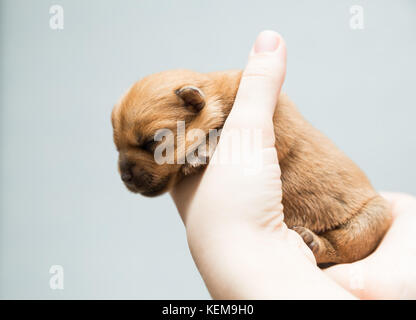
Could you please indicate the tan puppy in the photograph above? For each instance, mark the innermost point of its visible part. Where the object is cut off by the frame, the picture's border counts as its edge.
(327, 199)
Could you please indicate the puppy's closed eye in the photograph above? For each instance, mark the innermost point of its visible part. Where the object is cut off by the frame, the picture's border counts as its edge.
(149, 145)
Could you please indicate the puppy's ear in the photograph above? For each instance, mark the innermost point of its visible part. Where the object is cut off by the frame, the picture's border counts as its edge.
(193, 98)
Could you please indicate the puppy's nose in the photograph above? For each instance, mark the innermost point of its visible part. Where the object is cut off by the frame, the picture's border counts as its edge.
(126, 176)
(125, 169)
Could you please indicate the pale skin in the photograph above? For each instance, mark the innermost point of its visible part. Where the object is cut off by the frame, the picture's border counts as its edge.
(234, 220)
(390, 272)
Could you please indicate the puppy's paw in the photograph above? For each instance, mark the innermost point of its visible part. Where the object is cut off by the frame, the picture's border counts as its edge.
(310, 238)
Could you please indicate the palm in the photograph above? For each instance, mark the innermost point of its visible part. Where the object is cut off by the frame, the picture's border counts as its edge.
(389, 272)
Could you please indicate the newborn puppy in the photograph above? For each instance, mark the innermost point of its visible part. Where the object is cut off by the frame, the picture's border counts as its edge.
(327, 199)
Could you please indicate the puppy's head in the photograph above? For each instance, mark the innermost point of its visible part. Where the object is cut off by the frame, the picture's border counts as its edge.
(150, 119)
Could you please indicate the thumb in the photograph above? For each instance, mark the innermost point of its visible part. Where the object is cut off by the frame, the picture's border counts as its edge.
(260, 87)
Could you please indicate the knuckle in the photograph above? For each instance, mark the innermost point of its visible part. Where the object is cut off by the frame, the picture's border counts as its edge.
(256, 75)
(263, 68)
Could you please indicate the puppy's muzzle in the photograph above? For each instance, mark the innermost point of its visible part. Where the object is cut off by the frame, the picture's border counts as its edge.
(138, 180)
(134, 176)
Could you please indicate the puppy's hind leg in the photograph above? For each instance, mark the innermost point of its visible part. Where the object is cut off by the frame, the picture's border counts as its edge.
(355, 239)
(322, 249)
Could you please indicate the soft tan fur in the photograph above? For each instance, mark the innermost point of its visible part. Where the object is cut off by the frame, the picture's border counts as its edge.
(327, 199)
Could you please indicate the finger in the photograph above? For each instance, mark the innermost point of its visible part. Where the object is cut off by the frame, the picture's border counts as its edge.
(350, 276)
(398, 196)
(260, 86)
(400, 202)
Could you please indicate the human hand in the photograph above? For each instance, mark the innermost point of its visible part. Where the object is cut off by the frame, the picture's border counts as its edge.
(234, 219)
(389, 272)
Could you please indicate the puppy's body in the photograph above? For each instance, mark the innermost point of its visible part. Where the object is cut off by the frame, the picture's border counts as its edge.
(327, 199)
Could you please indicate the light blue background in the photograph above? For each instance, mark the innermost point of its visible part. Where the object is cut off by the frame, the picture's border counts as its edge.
(62, 201)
